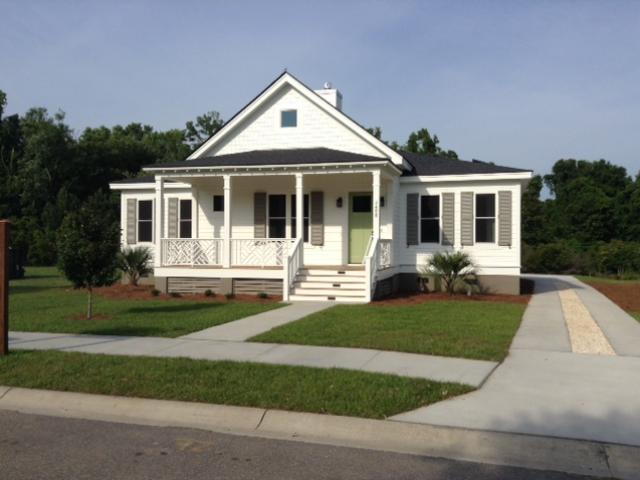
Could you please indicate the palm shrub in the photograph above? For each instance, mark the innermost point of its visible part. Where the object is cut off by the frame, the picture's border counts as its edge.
(454, 269)
(135, 263)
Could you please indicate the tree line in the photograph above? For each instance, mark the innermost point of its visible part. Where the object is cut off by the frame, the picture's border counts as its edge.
(589, 223)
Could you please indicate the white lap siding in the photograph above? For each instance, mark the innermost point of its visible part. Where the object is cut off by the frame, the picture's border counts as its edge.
(490, 258)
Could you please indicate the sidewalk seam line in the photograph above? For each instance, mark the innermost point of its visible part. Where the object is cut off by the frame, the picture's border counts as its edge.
(7, 391)
(264, 414)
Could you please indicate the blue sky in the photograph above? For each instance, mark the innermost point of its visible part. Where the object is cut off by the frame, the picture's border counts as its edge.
(517, 83)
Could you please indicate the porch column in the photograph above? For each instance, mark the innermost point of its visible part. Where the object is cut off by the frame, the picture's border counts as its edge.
(376, 203)
(299, 206)
(159, 221)
(226, 231)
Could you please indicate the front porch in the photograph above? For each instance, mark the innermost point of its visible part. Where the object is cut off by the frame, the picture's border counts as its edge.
(304, 231)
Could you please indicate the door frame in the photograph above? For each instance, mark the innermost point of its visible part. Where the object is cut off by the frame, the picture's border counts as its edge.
(349, 203)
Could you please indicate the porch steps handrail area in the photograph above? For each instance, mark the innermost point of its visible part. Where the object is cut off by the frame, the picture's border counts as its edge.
(293, 263)
(191, 251)
(371, 266)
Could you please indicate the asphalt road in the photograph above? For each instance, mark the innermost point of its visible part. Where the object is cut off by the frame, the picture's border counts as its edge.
(38, 447)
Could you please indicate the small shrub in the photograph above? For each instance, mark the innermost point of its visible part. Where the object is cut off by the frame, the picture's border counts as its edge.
(209, 293)
(263, 295)
(175, 294)
(135, 263)
(229, 296)
(455, 270)
(155, 292)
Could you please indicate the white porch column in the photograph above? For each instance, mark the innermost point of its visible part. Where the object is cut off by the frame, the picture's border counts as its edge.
(159, 221)
(226, 231)
(299, 206)
(376, 203)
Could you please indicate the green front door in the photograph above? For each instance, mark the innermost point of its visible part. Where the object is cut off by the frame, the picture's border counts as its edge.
(360, 225)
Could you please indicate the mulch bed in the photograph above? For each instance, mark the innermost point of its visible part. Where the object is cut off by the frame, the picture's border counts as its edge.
(120, 291)
(625, 295)
(417, 298)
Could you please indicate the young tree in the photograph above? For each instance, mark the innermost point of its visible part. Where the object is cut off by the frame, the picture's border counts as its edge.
(422, 142)
(205, 125)
(88, 243)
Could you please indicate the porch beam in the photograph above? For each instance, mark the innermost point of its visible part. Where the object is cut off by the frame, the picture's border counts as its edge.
(226, 231)
(159, 221)
(376, 203)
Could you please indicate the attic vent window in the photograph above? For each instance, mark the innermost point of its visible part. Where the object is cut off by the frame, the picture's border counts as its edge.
(289, 118)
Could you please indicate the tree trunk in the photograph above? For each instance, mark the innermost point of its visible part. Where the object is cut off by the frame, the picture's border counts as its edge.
(89, 304)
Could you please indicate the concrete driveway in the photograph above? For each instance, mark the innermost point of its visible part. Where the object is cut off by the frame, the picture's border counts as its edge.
(544, 387)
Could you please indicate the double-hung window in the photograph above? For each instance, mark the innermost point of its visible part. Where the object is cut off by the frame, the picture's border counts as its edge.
(145, 220)
(430, 219)
(294, 218)
(185, 220)
(277, 216)
(485, 217)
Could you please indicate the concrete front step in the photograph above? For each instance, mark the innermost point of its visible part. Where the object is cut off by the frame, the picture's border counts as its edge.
(329, 279)
(319, 298)
(336, 292)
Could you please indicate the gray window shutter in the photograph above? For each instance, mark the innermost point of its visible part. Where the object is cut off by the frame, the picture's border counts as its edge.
(259, 215)
(172, 218)
(317, 218)
(504, 218)
(466, 220)
(448, 218)
(132, 218)
(412, 218)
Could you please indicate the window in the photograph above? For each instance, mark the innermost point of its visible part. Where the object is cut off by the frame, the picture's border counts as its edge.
(289, 118)
(430, 219)
(218, 203)
(145, 221)
(277, 216)
(361, 203)
(185, 219)
(305, 201)
(485, 218)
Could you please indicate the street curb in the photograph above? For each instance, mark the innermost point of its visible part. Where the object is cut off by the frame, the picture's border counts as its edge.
(527, 451)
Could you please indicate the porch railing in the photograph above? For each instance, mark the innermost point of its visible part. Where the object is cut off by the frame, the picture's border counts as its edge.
(292, 263)
(259, 252)
(191, 251)
(371, 266)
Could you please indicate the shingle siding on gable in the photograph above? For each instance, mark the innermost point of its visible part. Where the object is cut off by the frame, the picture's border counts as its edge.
(262, 131)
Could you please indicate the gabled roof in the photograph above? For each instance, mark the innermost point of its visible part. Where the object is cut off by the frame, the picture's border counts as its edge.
(257, 158)
(288, 79)
(431, 165)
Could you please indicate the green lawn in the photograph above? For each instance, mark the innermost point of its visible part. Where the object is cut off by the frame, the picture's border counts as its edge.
(333, 391)
(457, 328)
(44, 301)
(592, 279)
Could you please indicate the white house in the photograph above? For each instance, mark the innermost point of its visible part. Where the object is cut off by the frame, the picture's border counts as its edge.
(294, 198)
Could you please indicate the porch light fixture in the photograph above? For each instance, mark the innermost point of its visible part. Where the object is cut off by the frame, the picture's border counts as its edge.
(339, 202)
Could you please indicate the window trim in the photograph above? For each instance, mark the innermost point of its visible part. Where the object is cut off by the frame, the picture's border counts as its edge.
(476, 218)
(439, 218)
(305, 219)
(183, 220)
(150, 220)
(288, 110)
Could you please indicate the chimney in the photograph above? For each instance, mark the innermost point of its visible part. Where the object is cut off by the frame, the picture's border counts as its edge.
(331, 95)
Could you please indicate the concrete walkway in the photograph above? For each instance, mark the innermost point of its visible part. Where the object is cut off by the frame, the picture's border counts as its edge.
(543, 388)
(470, 372)
(245, 328)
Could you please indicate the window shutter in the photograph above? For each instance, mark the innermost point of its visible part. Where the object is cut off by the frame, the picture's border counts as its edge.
(448, 218)
(504, 218)
(132, 218)
(466, 220)
(412, 218)
(172, 218)
(259, 215)
(317, 218)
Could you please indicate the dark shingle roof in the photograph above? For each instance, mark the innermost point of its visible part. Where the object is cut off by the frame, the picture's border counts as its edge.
(257, 158)
(422, 164)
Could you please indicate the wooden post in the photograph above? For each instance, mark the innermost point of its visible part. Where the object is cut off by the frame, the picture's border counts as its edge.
(4, 287)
